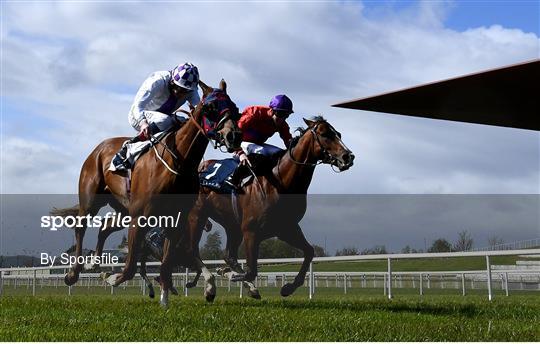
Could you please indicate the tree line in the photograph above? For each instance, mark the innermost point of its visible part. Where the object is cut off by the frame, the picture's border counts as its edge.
(275, 248)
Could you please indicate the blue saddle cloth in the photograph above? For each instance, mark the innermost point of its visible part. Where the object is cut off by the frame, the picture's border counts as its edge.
(215, 175)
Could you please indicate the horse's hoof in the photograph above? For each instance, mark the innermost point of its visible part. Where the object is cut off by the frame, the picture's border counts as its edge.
(70, 279)
(164, 300)
(151, 292)
(254, 294)
(287, 289)
(210, 297)
(174, 291)
(238, 277)
(223, 271)
(190, 285)
(111, 280)
(104, 275)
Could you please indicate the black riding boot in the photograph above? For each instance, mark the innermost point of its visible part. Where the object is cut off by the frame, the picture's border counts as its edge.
(235, 180)
(120, 160)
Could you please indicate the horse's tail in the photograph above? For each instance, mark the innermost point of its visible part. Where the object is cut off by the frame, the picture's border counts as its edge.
(64, 212)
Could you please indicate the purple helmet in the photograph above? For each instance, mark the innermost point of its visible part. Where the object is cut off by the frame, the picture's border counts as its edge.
(281, 103)
(186, 76)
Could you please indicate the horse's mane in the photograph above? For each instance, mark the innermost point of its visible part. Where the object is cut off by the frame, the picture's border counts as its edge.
(302, 131)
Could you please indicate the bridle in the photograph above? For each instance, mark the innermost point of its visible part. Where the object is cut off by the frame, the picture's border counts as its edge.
(327, 158)
(215, 126)
(200, 130)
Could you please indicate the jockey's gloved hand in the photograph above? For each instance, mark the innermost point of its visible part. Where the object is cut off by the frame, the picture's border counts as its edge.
(144, 133)
(244, 160)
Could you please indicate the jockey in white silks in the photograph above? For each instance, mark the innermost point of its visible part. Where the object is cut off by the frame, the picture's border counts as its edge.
(154, 107)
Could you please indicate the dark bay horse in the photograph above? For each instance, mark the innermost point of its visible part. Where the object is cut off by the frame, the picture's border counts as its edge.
(154, 189)
(272, 205)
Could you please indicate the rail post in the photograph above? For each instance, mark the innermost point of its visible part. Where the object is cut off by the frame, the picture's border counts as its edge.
(311, 286)
(34, 283)
(421, 283)
(389, 278)
(490, 294)
(384, 284)
(112, 290)
(242, 283)
(344, 284)
(1, 282)
(506, 283)
(69, 290)
(463, 284)
(143, 287)
(186, 276)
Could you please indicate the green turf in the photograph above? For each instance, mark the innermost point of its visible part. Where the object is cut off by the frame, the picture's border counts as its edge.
(361, 315)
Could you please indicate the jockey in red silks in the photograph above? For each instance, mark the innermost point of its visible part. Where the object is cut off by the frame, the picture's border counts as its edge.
(158, 98)
(258, 123)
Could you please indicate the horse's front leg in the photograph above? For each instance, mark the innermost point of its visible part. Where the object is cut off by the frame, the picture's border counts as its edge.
(169, 260)
(296, 238)
(196, 221)
(105, 231)
(210, 282)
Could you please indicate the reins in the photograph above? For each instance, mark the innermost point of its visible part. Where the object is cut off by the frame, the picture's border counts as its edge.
(327, 157)
(200, 130)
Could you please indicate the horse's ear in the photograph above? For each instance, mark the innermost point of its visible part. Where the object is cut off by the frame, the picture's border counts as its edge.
(308, 122)
(223, 85)
(205, 88)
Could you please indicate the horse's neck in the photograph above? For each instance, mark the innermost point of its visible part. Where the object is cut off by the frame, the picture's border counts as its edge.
(190, 142)
(296, 177)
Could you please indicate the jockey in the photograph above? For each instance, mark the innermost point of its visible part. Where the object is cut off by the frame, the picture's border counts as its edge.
(160, 95)
(258, 123)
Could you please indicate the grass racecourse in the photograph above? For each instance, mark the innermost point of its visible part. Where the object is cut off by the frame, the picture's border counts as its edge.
(360, 315)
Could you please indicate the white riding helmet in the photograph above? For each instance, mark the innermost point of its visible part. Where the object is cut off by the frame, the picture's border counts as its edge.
(186, 76)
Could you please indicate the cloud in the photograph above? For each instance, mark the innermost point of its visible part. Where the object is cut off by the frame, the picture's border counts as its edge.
(76, 67)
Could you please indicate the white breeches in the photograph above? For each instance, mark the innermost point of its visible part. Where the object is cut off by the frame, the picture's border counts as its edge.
(161, 120)
(264, 149)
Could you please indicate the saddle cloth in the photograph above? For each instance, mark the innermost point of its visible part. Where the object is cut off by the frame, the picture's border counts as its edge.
(216, 174)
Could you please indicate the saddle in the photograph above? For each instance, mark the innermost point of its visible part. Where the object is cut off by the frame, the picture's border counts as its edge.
(134, 148)
(218, 175)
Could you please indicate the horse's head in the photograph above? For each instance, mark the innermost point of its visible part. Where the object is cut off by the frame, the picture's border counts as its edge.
(328, 147)
(219, 117)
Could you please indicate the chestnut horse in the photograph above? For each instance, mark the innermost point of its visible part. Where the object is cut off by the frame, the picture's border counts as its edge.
(152, 176)
(272, 205)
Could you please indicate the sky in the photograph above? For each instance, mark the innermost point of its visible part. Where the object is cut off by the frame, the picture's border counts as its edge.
(70, 71)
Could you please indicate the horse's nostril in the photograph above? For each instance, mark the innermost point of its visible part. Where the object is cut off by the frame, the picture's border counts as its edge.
(346, 157)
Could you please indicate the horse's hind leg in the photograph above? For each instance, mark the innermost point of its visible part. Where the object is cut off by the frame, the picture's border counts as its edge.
(89, 204)
(105, 231)
(142, 272)
(296, 238)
